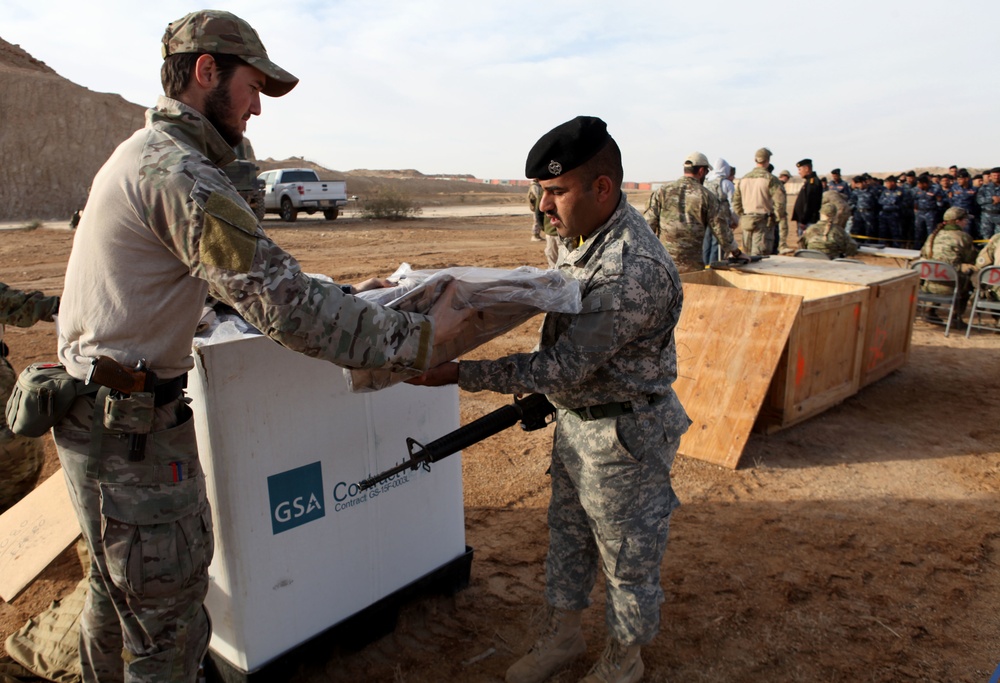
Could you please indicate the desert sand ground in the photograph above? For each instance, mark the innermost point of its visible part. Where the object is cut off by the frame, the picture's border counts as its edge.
(860, 545)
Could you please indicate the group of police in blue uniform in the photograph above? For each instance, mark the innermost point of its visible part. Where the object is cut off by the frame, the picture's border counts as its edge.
(903, 210)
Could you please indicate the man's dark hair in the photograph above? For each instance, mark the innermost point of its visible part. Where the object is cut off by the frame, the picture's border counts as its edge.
(606, 162)
(175, 74)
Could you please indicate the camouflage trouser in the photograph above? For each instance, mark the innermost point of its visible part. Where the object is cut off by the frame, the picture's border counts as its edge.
(865, 223)
(989, 224)
(757, 234)
(889, 228)
(21, 458)
(148, 528)
(923, 226)
(610, 507)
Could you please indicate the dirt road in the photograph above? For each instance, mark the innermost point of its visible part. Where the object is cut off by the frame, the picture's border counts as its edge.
(861, 545)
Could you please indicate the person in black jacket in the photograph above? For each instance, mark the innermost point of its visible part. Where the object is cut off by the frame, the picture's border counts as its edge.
(806, 211)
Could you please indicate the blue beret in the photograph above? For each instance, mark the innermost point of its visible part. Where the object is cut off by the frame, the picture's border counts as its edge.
(566, 147)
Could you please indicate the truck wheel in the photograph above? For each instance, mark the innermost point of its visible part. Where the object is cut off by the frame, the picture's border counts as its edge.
(331, 214)
(288, 212)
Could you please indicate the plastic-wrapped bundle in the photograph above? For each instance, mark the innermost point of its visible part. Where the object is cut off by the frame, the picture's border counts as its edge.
(503, 298)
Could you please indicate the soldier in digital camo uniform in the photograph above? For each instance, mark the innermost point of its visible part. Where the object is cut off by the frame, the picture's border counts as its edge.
(609, 371)
(20, 456)
(680, 212)
(163, 228)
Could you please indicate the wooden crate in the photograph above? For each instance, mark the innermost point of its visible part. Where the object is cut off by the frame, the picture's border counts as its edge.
(765, 352)
(892, 305)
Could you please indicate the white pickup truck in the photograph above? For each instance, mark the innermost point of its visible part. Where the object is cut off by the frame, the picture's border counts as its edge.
(290, 190)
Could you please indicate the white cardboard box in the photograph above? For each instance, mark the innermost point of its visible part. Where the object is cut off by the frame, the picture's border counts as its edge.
(298, 548)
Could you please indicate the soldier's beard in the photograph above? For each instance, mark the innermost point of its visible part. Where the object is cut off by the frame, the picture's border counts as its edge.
(218, 110)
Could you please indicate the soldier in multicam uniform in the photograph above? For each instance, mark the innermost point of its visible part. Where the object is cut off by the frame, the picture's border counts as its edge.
(609, 371)
(988, 199)
(545, 225)
(534, 197)
(842, 208)
(891, 202)
(950, 243)
(927, 203)
(680, 212)
(760, 199)
(20, 457)
(989, 255)
(164, 226)
(828, 235)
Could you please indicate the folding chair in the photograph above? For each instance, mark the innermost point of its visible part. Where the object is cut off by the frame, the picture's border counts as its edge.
(938, 271)
(811, 253)
(987, 277)
(849, 260)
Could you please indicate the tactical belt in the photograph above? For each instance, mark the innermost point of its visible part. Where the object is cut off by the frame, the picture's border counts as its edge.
(614, 409)
(169, 390)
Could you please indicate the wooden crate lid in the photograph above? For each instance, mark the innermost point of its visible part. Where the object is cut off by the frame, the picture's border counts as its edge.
(729, 343)
(827, 271)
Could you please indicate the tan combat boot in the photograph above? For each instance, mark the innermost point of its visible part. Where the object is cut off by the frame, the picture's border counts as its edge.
(618, 664)
(559, 644)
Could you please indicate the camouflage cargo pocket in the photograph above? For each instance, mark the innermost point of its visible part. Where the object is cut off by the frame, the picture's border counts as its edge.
(157, 537)
(131, 414)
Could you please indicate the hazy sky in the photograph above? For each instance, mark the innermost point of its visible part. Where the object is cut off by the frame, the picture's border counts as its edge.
(467, 87)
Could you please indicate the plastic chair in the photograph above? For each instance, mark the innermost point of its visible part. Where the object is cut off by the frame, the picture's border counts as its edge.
(811, 253)
(844, 259)
(987, 277)
(938, 271)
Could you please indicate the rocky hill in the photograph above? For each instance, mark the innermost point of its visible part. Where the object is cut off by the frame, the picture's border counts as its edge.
(55, 136)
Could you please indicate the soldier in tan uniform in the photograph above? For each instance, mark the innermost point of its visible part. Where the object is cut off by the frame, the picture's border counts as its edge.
(163, 228)
(680, 212)
(759, 199)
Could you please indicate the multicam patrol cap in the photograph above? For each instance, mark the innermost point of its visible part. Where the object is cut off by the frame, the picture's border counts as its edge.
(955, 213)
(214, 31)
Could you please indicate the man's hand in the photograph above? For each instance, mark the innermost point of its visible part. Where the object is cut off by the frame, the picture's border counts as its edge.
(446, 373)
(739, 256)
(448, 322)
(373, 283)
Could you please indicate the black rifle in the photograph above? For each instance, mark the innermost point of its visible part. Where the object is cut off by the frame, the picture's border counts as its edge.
(735, 262)
(533, 411)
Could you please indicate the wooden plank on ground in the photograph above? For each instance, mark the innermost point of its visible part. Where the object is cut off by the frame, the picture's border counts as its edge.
(33, 533)
(729, 342)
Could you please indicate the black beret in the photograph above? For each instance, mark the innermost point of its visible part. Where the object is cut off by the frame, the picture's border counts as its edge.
(835, 171)
(995, 169)
(858, 179)
(566, 147)
(892, 178)
(805, 162)
(963, 173)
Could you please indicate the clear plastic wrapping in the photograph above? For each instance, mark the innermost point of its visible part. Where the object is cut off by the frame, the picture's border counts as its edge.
(504, 299)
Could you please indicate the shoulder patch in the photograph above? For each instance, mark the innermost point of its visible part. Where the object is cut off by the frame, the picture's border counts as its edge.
(228, 235)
